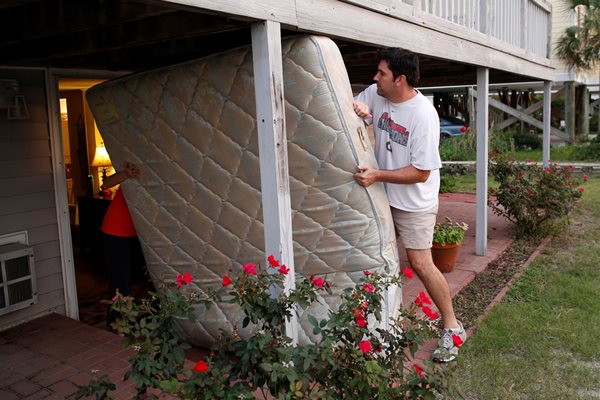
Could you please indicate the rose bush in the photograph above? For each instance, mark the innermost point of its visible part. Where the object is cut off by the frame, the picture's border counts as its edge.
(354, 357)
(531, 196)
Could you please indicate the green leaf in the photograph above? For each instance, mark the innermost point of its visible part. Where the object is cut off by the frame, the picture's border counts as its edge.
(268, 367)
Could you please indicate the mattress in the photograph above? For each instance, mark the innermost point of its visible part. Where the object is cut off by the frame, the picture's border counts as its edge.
(191, 127)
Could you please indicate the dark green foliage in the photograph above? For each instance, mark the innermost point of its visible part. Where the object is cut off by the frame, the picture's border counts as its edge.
(527, 140)
(532, 196)
(587, 152)
(353, 356)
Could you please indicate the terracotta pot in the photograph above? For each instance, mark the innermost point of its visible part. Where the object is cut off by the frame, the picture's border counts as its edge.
(444, 257)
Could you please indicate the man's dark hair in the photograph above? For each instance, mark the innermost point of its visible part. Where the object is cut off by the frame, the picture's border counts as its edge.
(401, 62)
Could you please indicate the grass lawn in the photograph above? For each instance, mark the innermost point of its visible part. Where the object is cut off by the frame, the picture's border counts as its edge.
(466, 183)
(564, 154)
(542, 341)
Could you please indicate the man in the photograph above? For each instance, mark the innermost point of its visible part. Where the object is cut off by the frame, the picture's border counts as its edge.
(406, 127)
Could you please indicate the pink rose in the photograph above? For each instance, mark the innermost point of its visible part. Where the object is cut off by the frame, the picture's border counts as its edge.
(318, 282)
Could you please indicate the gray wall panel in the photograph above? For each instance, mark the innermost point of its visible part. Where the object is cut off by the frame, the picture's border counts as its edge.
(27, 201)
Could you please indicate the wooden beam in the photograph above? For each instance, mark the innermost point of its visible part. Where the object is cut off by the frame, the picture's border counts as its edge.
(41, 19)
(82, 39)
(482, 162)
(429, 35)
(547, 116)
(272, 142)
(582, 114)
(531, 109)
(523, 117)
(282, 11)
(570, 110)
(593, 105)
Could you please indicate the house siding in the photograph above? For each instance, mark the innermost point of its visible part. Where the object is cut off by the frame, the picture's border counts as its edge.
(27, 199)
(561, 20)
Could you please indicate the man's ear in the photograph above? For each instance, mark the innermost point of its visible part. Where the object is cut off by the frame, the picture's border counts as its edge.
(400, 80)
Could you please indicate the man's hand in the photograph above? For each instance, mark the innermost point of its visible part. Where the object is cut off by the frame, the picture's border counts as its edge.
(362, 110)
(366, 176)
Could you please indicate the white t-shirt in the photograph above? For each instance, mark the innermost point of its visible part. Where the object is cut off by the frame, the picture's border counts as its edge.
(406, 133)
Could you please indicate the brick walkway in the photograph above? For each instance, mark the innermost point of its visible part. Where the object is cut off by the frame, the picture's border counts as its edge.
(46, 358)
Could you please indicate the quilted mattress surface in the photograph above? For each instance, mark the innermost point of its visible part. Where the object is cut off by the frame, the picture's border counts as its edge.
(191, 128)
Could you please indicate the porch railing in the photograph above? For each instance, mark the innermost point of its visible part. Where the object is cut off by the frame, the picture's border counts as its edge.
(521, 23)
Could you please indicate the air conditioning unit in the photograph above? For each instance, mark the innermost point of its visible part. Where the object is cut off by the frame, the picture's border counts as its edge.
(17, 277)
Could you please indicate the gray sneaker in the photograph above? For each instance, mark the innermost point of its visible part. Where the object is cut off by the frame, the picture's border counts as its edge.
(447, 350)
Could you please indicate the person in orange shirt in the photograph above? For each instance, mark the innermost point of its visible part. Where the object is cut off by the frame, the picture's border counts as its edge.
(121, 245)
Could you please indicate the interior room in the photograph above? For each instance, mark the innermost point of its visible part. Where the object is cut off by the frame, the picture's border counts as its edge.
(86, 163)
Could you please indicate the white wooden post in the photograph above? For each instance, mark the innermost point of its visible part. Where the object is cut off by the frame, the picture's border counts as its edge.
(272, 141)
(482, 162)
(546, 121)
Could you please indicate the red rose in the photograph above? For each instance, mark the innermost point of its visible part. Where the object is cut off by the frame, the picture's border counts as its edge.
(283, 270)
(457, 340)
(419, 370)
(201, 367)
(249, 269)
(365, 346)
(272, 261)
(318, 282)
(368, 287)
(429, 312)
(361, 321)
(407, 272)
(422, 299)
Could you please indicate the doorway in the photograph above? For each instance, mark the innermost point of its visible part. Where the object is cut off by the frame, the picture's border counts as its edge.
(82, 146)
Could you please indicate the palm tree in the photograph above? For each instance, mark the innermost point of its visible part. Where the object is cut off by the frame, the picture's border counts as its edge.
(579, 46)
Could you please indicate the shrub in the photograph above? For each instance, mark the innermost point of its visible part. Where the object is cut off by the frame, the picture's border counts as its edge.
(447, 183)
(501, 142)
(464, 147)
(461, 148)
(587, 152)
(527, 140)
(354, 356)
(531, 196)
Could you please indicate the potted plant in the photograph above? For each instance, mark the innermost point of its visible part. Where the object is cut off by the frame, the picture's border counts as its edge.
(447, 238)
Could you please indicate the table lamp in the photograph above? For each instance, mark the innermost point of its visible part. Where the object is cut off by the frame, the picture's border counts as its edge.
(102, 160)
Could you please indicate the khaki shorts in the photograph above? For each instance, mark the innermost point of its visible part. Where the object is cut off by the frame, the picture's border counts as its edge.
(415, 228)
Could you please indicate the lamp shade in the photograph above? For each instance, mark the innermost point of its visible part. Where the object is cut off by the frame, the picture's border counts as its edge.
(101, 158)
